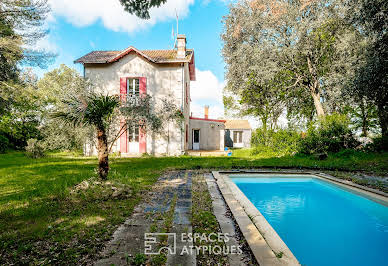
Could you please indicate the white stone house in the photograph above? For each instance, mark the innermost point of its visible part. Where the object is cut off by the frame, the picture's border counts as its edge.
(161, 74)
(238, 134)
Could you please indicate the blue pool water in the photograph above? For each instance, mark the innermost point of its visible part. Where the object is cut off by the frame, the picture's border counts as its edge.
(321, 223)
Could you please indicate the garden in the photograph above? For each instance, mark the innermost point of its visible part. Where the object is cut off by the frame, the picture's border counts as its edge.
(327, 78)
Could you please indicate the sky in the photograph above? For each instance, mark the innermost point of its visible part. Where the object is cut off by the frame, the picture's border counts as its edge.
(80, 26)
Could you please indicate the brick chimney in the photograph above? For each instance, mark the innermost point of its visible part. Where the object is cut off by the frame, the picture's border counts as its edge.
(206, 111)
(181, 40)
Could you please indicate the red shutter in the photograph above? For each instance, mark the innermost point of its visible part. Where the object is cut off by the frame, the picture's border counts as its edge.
(143, 136)
(123, 137)
(123, 88)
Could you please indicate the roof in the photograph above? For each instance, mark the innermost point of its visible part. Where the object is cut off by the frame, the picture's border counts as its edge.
(155, 56)
(208, 119)
(237, 124)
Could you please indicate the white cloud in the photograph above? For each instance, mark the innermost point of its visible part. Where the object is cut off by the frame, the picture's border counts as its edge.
(86, 12)
(207, 90)
(206, 87)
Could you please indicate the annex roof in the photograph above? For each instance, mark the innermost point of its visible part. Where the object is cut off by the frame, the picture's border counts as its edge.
(237, 124)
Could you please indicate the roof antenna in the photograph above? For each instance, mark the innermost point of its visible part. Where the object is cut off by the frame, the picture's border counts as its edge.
(177, 28)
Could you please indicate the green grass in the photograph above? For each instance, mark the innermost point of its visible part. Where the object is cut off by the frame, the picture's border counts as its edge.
(42, 222)
(205, 222)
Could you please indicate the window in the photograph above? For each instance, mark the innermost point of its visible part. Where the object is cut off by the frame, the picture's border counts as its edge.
(237, 136)
(133, 87)
(133, 134)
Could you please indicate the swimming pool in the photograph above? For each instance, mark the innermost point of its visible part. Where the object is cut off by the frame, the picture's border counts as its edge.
(320, 222)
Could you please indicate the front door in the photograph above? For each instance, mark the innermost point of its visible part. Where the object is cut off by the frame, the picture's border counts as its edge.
(133, 139)
(196, 135)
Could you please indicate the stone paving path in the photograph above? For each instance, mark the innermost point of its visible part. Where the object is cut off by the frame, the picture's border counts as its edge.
(171, 190)
(169, 202)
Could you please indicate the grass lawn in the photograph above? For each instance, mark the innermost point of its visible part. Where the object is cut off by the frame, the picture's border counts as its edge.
(41, 221)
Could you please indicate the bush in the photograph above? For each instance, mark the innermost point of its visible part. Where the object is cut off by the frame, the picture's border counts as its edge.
(281, 142)
(329, 134)
(34, 148)
(4, 143)
(378, 144)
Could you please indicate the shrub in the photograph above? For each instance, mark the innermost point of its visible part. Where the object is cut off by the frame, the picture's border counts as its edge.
(34, 148)
(378, 144)
(4, 143)
(281, 142)
(329, 134)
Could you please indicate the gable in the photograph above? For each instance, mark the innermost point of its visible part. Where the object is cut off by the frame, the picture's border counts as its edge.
(154, 56)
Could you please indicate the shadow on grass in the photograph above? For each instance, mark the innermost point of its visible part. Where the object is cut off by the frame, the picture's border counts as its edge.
(38, 213)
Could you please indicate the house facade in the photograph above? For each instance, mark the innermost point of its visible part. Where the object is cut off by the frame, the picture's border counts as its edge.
(159, 73)
(238, 134)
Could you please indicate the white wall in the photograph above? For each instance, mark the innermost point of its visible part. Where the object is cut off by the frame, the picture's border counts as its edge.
(210, 136)
(163, 80)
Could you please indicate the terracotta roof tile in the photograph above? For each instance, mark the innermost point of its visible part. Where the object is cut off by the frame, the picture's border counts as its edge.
(237, 124)
(157, 56)
(97, 57)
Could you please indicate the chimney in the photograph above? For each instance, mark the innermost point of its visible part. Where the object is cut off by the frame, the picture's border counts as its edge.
(206, 111)
(181, 39)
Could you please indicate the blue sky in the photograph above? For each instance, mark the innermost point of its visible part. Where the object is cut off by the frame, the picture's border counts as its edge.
(78, 27)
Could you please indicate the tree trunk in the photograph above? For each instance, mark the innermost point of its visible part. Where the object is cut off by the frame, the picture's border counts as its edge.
(383, 119)
(317, 101)
(364, 117)
(103, 160)
(314, 89)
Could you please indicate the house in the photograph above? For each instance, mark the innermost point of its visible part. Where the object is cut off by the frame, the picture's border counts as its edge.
(161, 74)
(238, 133)
(206, 133)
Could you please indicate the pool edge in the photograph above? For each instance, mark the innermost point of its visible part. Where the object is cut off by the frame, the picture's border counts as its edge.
(265, 243)
(263, 229)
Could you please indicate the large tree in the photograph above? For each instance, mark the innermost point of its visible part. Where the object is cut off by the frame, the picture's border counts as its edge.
(53, 88)
(371, 75)
(21, 25)
(296, 40)
(141, 7)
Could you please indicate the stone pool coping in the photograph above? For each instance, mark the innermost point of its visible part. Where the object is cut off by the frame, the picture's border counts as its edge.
(263, 240)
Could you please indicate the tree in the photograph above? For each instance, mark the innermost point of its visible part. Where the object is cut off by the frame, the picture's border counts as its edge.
(263, 99)
(95, 110)
(141, 7)
(102, 112)
(21, 25)
(53, 88)
(20, 117)
(364, 116)
(295, 40)
(169, 114)
(371, 79)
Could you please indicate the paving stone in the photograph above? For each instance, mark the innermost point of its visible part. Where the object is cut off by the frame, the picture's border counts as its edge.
(225, 222)
(129, 237)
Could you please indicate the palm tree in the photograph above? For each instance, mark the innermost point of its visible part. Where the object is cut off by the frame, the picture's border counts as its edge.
(95, 110)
